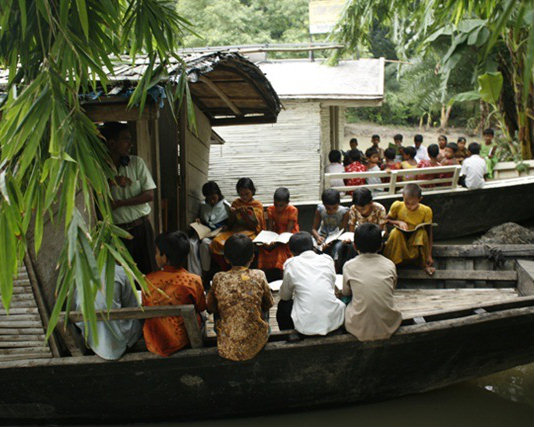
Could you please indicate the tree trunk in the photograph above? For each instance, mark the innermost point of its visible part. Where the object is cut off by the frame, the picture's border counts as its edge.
(444, 119)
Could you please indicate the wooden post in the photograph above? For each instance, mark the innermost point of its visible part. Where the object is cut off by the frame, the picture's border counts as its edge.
(455, 177)
(393, 182)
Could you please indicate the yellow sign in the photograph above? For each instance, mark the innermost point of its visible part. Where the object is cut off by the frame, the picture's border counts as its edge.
(324, 15)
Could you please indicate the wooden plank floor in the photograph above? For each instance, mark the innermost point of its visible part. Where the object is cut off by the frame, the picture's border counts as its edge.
(420, 302)
(22, 335)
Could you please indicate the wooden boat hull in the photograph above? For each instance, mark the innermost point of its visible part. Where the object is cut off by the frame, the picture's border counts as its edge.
(197, 383)
(463, 212)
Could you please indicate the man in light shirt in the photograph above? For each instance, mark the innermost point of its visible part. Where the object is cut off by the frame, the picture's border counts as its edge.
(421, 153)
(473, 168)
(309, 282)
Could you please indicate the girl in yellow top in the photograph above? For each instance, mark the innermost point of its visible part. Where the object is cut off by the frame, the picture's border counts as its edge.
(414, 247)
(408, 161)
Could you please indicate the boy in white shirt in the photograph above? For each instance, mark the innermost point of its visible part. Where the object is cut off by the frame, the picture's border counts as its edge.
(474, 168)
(335, 166)
(307, 299)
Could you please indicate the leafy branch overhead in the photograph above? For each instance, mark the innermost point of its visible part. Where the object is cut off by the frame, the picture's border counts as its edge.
(54, 165)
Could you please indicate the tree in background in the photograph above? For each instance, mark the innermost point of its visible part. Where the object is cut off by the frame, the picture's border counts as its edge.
(499, 34)
(50, 150)
(237, 22)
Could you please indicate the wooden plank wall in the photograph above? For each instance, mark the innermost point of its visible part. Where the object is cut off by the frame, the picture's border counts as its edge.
(197, 154)
(286, 153)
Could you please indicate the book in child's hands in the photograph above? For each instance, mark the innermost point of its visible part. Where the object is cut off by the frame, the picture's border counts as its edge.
(203, 231)
(267, 237)
(417, 227)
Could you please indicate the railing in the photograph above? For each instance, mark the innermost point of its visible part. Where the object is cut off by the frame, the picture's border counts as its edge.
(394, 183)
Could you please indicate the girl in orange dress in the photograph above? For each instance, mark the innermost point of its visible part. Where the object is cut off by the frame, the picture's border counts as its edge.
(246, 217)
(281, 218)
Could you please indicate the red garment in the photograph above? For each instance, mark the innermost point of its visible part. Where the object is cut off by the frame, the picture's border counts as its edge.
(448, 162)
(355, 167)
(427, 164)
(171, 286)
(393, 167)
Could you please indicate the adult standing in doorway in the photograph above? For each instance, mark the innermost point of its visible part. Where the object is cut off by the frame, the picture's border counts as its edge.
(132, 190)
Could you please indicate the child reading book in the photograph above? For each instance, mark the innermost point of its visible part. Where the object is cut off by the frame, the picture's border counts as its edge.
(402, 245)
(172, 285)
(212, 218)
(330, 218)
(308, 302)
(240, 297)
(370, 279)
(281, 218)
(246, 217)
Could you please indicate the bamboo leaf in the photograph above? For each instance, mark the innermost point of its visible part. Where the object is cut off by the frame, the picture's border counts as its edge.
(82, 14)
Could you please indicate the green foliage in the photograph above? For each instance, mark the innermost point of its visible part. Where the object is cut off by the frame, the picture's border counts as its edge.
(234, 22)
(53, 161)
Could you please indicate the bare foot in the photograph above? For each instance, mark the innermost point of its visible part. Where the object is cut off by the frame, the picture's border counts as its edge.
(429, 270)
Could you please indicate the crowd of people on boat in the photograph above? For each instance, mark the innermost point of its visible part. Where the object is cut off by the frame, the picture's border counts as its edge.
(228, 274)
(477, 160)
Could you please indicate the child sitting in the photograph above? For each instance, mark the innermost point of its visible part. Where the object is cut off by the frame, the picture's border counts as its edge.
(373, 160)
(355, 166)
(246, 217)
(396, 145)
(415, 246)
(239, 297)
(390, 162)
(214, 213)
(370, 278)
(442, 142)
(462, 152)
(420, 150)
(329, 218)
(307, 299)
(375, 141)
(473, 168)
(449, 155)
(409, 162)
(172, 285)
(432, 162)
(335, 166)
(281, 218)
(488, 150)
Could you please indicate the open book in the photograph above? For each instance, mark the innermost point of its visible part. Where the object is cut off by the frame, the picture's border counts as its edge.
(267, 237)
(338, 235)
(417, 227)
(203, 231)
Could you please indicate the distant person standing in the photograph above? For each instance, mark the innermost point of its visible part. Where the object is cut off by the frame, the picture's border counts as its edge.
(396, 145)
(353, 146)
(488, 149)
(375, 140)
(421, 151)
(132, 189)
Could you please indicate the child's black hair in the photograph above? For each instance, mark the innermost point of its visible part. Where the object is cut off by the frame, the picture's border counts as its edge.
(334, 156)
(418, 138)
(247, 184)
(461, 139)
(444, 137)
(371, 152)
(412, 190)
(354, 141)
(433, 150)
(346, 160)
(375, 136)
(453, 146)
(355, 155)
(390, 153)
(211, 187)
(300, 242)
(111, 130)
(330, 197)
(362, 196)
(397, 137)
(474, 148)
(238, 250)
(368, 238)
(281, 195)
(411, 151)
(488, 131)
(175, 246)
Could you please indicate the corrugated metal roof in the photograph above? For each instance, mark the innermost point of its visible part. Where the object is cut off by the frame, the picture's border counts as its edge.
(349, 80)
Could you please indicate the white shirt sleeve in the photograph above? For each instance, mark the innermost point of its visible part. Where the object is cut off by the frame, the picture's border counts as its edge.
(287, 287)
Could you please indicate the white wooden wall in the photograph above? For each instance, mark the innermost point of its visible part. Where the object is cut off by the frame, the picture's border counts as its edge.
(284, 154)
(197, 152)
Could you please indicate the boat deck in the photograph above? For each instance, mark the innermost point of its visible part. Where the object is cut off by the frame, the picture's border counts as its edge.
(420, 302)
(22, 335)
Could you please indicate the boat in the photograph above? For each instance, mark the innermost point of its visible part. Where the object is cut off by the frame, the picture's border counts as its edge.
(508, 197)
(473, 317)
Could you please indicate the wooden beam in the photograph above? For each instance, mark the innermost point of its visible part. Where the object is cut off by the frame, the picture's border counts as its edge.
(229, 121)
(501, 276)
(221, 94)
(119, 112)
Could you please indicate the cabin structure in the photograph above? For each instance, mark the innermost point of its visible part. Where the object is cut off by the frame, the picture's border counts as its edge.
(293, 152)
(226, 89)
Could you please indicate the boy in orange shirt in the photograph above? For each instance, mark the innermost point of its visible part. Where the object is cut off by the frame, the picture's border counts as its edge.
(172, 285)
